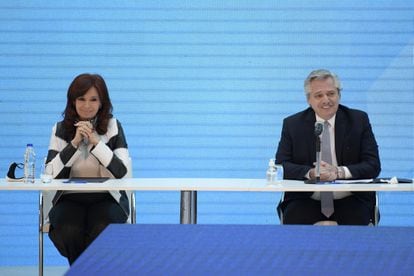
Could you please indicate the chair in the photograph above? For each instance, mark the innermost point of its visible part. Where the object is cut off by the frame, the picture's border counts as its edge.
(45, 202)
(331, 222)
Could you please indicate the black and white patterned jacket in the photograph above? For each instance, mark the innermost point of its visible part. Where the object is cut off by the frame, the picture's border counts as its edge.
(109, 158)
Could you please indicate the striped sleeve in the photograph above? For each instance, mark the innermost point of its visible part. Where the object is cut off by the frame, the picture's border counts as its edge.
(113, 154)
(61, 154)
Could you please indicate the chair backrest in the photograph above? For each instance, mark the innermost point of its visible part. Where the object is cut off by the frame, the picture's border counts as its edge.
(130, 195)
(45, 204)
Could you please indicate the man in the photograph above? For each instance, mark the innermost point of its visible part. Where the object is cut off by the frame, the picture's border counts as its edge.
(352, 154)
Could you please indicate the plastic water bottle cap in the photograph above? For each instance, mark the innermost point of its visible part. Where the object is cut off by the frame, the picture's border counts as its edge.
(30, 145)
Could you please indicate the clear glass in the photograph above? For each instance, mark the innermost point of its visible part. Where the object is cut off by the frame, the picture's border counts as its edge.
(46, 173)
(279, 173)
(271, 174)
(274, 174)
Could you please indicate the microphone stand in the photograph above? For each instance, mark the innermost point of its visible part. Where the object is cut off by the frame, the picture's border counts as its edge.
(318, 131)
(318, 160)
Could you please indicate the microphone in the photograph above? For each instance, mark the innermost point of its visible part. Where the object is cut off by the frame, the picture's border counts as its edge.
(317, 131)
(318, 128)
(93, 123)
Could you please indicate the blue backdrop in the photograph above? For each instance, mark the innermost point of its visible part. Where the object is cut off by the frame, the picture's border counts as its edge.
(201, 88)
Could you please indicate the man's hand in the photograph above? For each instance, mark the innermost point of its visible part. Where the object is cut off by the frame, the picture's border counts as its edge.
(327, 172)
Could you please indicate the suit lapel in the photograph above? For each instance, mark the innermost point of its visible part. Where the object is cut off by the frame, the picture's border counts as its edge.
(340, 133)
(309, 125)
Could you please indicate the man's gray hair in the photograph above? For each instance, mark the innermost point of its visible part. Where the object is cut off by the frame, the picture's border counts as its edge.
(321, 74)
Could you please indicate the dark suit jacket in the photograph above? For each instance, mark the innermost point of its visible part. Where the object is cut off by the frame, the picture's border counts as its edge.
(355, 145)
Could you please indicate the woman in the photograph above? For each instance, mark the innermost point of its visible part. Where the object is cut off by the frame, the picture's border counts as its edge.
(89, 142)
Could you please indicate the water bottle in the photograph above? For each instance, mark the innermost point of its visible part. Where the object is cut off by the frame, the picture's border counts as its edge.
(271, 171)
(29, 164)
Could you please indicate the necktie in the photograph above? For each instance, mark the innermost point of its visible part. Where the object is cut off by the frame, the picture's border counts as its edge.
(327, 205)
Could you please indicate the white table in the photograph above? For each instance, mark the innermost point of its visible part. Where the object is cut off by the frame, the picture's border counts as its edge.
(201, 184)
(189, 187)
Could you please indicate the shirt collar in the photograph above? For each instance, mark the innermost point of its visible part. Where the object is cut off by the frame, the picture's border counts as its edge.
(331, 121)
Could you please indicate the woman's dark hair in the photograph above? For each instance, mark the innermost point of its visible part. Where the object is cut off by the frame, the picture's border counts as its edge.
(79, 86)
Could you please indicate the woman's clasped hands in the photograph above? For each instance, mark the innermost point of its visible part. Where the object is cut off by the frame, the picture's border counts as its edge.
(85, 133)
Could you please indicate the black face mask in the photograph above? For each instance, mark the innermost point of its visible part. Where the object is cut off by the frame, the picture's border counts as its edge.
(11, 173)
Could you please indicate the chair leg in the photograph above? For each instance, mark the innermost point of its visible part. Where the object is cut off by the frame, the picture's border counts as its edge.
(132, 209)
(40, 234)
(40, 254)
